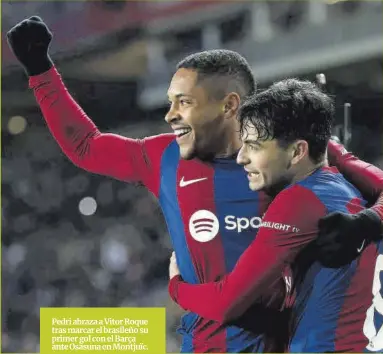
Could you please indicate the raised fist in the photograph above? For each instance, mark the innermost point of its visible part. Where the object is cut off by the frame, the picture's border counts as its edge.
(29, 40)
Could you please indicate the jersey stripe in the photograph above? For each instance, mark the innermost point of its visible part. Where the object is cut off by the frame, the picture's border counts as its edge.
(204, 244)
(172, 212)
(317, 325)
(244, 220)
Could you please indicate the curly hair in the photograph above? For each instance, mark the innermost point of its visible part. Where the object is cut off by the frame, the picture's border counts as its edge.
(289, 110)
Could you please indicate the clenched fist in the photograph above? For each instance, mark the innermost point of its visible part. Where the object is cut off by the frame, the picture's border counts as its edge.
(29, 41)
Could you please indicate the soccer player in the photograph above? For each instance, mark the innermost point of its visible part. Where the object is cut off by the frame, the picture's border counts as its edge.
(211, 214)
(285, 131)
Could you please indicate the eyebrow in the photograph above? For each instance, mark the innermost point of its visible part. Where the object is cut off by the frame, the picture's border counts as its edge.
(179, 95)
(254, 142)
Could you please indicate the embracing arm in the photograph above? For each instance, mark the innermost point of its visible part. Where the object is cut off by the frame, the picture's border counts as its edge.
(368, 179)
(285, 231)
(364, 176)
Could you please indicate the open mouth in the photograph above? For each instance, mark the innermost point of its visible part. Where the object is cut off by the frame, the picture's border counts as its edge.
(253, 174)
(180, 132)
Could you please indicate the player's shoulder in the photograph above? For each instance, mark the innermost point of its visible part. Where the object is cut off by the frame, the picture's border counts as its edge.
(327, 180)
(293, 193)
(323, 182)
(159, 142)
(329, 185)
(295, 201)
(164, 138)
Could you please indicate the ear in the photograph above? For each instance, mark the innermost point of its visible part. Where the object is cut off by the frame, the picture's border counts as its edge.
(299, 150)
(231, 105)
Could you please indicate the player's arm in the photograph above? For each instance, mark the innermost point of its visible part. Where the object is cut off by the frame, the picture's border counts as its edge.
(341, 235)
(107, 154)
(289, 225)
(364, 176)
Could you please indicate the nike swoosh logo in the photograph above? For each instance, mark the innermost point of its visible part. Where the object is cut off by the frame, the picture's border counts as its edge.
(186, 183)
(360, 249)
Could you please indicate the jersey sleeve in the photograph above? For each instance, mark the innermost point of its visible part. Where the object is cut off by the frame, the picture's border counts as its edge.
(364, 176)
(131, 160)
(289, 225)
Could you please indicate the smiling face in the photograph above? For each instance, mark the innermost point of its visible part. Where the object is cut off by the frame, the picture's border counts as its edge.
(267, 164)
(284, 131)
(196, 118)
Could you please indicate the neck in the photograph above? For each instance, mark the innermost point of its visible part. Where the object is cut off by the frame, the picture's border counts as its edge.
(308, 169)
(229, 141)
(305, 169)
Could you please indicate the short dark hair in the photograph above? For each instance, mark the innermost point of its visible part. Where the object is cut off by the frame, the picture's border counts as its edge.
(223, 64)
(289, 110)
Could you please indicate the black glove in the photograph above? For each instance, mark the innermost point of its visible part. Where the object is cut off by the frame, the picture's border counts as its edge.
(342, 237)
(29, 40)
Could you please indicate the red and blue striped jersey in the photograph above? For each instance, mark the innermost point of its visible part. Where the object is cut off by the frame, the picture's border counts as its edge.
(212, 217)
(329, 306)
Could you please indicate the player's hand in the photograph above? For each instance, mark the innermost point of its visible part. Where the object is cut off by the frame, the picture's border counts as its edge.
(343, 237)
(173, 267)
(29, 41)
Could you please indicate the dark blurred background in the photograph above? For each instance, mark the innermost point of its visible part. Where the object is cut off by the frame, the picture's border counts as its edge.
(70, 238)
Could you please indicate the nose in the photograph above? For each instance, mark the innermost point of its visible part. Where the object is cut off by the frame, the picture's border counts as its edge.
(172, 116)
(172, 119)
(242, 158)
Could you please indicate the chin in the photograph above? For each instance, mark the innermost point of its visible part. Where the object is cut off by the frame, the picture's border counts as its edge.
(187, 153)
(255, 187)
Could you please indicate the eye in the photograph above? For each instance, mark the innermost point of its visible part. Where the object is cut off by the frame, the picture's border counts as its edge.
(184, 102)
(254, 147)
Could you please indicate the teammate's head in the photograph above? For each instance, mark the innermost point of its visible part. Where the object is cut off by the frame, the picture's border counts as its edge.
(204, 96)
(285, 131)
